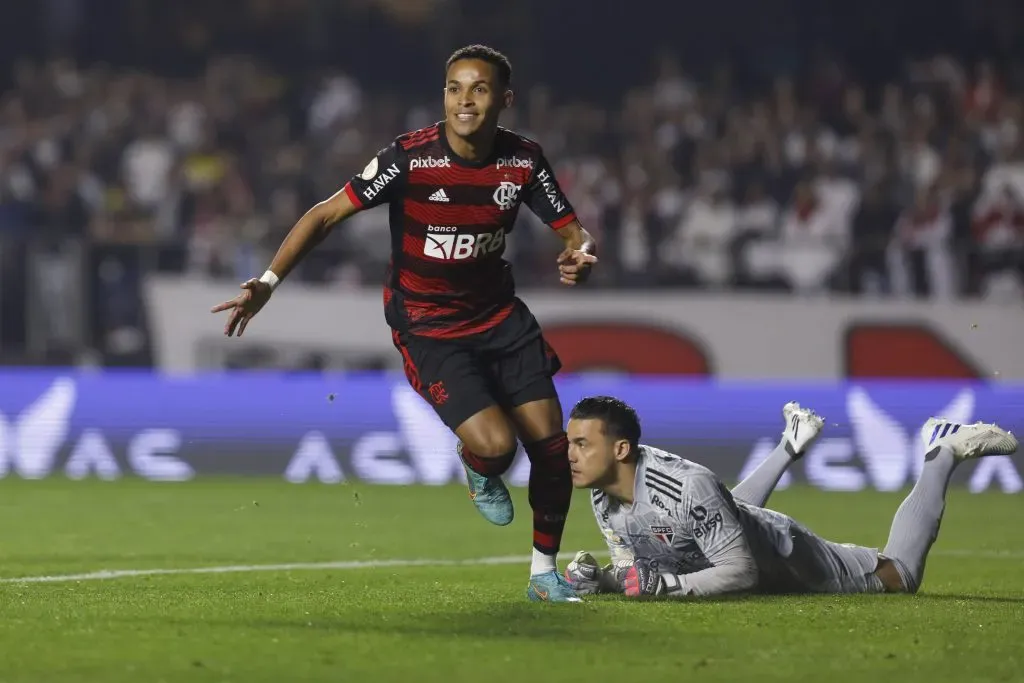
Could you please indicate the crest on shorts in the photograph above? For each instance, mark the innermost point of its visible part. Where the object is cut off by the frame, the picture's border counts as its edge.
(438, 393)
(663, 534)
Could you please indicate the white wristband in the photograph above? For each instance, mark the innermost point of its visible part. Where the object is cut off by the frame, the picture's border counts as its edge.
(271, 279)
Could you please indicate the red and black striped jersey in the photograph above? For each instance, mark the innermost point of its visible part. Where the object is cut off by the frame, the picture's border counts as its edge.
(449, 220)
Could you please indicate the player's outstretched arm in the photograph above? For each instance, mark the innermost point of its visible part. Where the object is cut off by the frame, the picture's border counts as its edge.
(309, 231)
(374, 186)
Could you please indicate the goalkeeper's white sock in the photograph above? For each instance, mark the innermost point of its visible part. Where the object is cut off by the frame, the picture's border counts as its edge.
(760, 483)
(542, 564)
(916, 524)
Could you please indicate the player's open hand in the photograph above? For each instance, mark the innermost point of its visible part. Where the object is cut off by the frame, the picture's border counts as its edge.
(255, 294)
(574, 266)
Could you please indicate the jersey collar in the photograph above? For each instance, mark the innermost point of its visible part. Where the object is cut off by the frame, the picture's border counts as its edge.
(641, 467)
(463, 161)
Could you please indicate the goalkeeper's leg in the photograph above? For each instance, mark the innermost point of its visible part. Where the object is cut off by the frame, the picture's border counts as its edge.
(916, 524)
(802, 428)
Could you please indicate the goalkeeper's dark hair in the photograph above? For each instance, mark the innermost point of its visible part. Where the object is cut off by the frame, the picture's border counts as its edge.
(485, 54)
(620, 420)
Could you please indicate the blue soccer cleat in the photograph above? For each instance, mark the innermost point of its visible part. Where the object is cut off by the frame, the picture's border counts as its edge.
(551, 587)
(489, 495)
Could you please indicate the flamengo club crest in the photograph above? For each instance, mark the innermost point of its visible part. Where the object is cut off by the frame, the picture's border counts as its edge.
(505, 195)
(663, 534)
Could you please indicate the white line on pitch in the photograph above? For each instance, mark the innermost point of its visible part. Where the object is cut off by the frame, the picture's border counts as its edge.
(295, 566)
(374, 564)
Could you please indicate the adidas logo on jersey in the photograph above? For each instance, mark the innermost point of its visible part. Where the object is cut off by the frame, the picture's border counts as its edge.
(659, 482)
(438, 196)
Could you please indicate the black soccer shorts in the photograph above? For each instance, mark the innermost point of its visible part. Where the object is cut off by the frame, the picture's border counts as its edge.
(508, 366)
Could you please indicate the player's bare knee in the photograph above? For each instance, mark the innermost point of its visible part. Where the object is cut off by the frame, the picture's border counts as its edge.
(488, 435)
(494, 446)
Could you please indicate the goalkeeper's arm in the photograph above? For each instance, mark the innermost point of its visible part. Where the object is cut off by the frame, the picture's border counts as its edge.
(734, 571)
(717, 532)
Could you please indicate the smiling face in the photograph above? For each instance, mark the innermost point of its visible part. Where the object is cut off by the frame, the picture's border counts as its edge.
(474, 97)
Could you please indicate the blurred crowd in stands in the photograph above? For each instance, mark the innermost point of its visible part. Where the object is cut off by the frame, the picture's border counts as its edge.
(908, 183)
(917, 187)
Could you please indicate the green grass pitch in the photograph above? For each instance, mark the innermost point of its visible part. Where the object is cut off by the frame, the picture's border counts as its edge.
(436, 622)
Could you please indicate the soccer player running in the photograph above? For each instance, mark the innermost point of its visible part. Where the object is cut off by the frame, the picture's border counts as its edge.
(675, 530)
(470, 347)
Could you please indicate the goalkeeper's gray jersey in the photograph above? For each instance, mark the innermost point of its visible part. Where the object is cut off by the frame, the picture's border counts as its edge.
(684, 517)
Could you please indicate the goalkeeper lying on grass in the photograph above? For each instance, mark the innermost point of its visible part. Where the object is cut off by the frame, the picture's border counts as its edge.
(674, 529)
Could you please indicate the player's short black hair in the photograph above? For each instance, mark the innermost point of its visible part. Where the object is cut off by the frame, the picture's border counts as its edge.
(620, 420)
(484, 54)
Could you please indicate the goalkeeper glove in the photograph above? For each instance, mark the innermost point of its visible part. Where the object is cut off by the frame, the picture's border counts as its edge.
(643, 579)
(584, 574)
(587, 577)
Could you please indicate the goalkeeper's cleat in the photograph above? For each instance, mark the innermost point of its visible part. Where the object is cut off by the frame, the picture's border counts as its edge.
(803, 426)
(550, 587)
(967, 441)
(489, 495)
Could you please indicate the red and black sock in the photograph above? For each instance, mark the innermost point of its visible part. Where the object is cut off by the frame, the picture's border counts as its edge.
(488, 467)
(550, 491)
